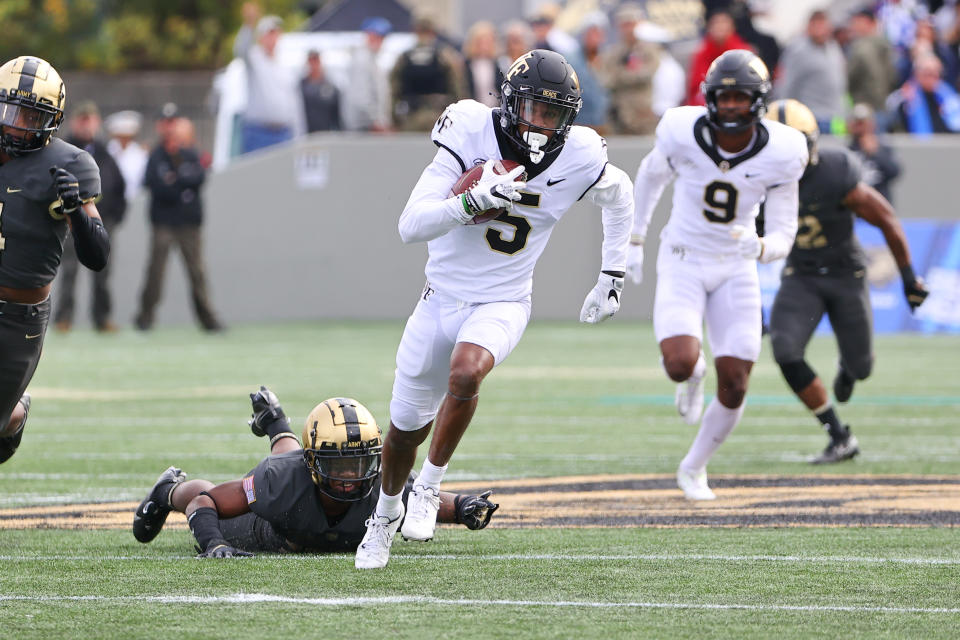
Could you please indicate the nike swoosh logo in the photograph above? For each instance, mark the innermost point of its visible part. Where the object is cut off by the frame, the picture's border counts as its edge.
(550, 183)
(30, 337)
(750, 175)
(9, 190)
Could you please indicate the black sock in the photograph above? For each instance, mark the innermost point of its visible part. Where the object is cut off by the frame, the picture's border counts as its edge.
(831, 422)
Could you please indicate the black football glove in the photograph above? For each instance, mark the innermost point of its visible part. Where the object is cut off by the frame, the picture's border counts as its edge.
(266, 410)
(68, 188)
(913, 288)
(223, 550)
(475, 511)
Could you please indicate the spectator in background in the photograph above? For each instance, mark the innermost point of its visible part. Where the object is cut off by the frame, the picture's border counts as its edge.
(670, 80)
(742, 12)
(720, 36)
(483, 75)
(130, 156)
(425, 79)
(879, 166)
(925, 104)
(174, 177)
(589, 67)
(814, 72)
(548, 36)
(928, 41)
(366, 98)
(517, 40)
(321, 98)
(85, 135)
(628, 69)
(871, 74)
(274, 111)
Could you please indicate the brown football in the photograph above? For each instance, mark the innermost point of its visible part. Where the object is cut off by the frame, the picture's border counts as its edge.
(470, 177)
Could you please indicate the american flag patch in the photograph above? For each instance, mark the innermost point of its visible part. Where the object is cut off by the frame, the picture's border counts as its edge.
(248, 489)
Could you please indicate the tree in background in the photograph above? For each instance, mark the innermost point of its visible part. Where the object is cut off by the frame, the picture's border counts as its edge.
(114, 35)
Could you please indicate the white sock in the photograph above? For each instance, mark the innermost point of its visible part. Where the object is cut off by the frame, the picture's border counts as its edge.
(700, 369)
(389, 506)
(431, 475)
(717, 423)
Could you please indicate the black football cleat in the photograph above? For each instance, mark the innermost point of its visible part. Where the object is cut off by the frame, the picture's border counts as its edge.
(843, 385)
(149, 517)
(8, 445)
(838, 451)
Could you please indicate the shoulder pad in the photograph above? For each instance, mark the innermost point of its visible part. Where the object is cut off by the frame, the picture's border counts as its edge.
(458, 124)
(678, 120)
(588, 145)
(78, 162)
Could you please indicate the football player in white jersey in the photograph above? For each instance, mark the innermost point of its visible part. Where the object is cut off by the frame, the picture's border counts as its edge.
(476, 303)
(726, 162)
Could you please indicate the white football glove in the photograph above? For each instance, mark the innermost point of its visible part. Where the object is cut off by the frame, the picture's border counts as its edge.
(603, 300)
(494, 190)
(749, 244)
(635, 263)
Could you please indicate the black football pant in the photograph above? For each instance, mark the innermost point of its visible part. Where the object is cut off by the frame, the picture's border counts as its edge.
(250, 532)
(800, 304)
(22, 328)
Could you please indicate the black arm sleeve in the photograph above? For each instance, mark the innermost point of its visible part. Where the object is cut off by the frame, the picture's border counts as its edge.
(90, 239)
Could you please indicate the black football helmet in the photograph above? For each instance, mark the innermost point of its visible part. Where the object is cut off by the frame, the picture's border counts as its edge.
(542, 86)
(736, 70)
(341, 447)
(32, 96)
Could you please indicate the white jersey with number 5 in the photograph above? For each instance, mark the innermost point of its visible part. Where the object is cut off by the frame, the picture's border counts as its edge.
(494, 261)
(716, 190)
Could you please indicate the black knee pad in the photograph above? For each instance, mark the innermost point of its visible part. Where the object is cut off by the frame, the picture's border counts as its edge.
(798, 374)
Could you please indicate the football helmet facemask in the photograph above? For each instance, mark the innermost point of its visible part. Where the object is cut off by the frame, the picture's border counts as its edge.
(341, 447)
(32, 96)
(540, 94)
(794, 113)
(736, 70)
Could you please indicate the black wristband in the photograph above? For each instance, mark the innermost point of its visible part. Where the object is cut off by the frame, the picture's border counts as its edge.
(456, 508)
(205, 526)
(90, 239)
(276, 422)
(909, 277)
(615, 274)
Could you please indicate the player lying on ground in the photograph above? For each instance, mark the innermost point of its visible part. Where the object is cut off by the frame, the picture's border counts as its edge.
(311, 499)
(826, 273)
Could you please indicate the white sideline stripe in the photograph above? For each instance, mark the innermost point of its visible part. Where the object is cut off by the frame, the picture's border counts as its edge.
(654, 557)
(248, 598)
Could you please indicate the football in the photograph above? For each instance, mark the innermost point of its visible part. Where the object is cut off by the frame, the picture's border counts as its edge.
(470, 177)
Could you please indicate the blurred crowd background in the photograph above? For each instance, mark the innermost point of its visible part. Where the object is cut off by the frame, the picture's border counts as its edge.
(202, 84)
(254, 74)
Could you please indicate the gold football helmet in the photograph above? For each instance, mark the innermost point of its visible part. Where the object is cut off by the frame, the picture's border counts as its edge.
(794, 113)
(32, 96)
(341, 446)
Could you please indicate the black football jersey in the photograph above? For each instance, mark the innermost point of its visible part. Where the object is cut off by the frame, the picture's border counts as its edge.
(32, 233)
(825, 239)
(283, 493)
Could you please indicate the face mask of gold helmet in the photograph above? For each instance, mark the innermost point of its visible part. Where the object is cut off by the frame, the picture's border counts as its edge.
(794, 113)
(32, 96)
(342, 446)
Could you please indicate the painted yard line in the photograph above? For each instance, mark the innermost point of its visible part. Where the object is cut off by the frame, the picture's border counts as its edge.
(529, 557)
(254, 598)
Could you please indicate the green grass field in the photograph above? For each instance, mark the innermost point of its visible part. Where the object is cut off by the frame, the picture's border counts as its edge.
(111, 412)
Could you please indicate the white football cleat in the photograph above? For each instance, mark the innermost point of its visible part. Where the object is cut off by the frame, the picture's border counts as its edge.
(422, 507)
(374, 549)
(689, 399)
(694, 484)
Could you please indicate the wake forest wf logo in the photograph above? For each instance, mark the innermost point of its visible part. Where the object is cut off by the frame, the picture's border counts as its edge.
(520, 65)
